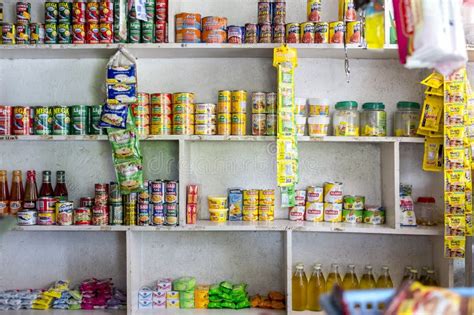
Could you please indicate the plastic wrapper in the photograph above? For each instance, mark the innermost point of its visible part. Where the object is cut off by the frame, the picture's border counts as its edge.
(113, 116)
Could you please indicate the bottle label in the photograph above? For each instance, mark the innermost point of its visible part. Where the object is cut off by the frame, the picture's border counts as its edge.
(3, 208)
(29, 205)
(15, 206)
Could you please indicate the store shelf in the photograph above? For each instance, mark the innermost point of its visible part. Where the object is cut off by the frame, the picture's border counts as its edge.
(247, 311)
(73, 228)
(65, 312)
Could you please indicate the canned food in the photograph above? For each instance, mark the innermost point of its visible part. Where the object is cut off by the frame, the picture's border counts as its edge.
(171, 212)
(150, 9)
(191, 213)
(278, 33)
(321, 33)
(86, 202)
(92, 33)
(205, 108)
(239, 101)
(183, 129)
(315, 194)
(271, 124)
(266, 197)
(297, 213)
(353, 32)
(148, 32)
(143, 215)
(352, 216)
(163, 99)
(224, 129)
(333, 192)
(26, 218)
(134, 31)
(64, 33)
(46, 204)
(238, 129)
(183, 108)
(354, 202)
(50, 33)
(50, 12)
(22, 35)
(314, 10)
(300, 197)
(347, 10)
(271, 103)
(250, 210)
(183, 98)
(106, 11)
(64, 211)
(21, 121)
(106, 33)
(259, 124)
(36, 33)
(79, 119)
(252, 33)
(332, 212)
(217, 202)
(265, 12)
(92, 12)
(314, 212)
(46, 218)
(211, 23)
(157, 191)
(130, 207)
(202, 130)
(239, 118)
(265, 33)
(101, 194)
(266, 211)
(161, 10)
(5, 120)
(258, 102)
(224, 96)
(64, 12)
(171, 191)
(23, 13)
(336, 32)
(95, 113)
(279, 12)
(8, 33)
(214, 37)
(82, 216)
(78, 34)
(158, 216)
(188, 36)
(192, 192)
(61, 120)
(99, 215)
(235, 34)
(307, 32)
(161, 32)
(205, 119)
(250, 197)
(292, 33)
(79, 12)
(188, 21)
(374, 215)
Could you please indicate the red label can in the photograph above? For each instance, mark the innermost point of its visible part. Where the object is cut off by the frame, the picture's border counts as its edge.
(82, 216)
(21, 121)
(92, 12)
(78, 12)
(92, 33)
(86, 202)
(161, 10)
(192, 194)
(106, 11)
(100, 215)
(46, 204)
(5, 120)
(78, 33)
(106, 34)
(161, 32)
(191, 213)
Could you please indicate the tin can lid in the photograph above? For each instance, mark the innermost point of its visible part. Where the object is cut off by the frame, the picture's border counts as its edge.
(408, 105)
(347, 105)
(373, 106)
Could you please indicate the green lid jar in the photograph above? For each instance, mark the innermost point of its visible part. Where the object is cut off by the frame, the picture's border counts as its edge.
(373, 120)
(406, 119)
(346, 119)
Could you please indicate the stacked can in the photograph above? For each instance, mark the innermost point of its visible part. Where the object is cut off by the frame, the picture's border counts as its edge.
(271, 114)
(250, 207)
(333, 202)
(64, 22)
(51, 22)
(148, 26)
(191, 203)
(314, 204)
(144, 206)
(43, 120)
(319, 119)
(8, 33)
(92, 22)
(259, 118)
(118, 38)
(271, 21)
(78, 22)
(161, 114)
(80, 119)
(171, 206)
(214, 29)
(21, 120)
(353, 209)
(100, 209)
(183, 113)
(106, 21)
(61, 119)
(252, 33)
(239, 113)
(5, 120)
(205, 119)
(297, 212)
(161, 21)
(94, 119)
(83, 214)
(224, 101)
(141, 114)
(46, 207)
(157, 199)
(266, 205)
(115, 205)
(130, 208)
(22, 25)
(64, 212)
(300, 115)
(188, 28)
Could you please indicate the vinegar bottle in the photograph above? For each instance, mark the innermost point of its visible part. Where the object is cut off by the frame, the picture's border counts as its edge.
(31, 191)
(300, 288)
(367, 281)
(350, 281)
(316, 287)
(4, 194)
(46, 189)
(333, 278)
(60, 191)
(384, 281)
(16, 194)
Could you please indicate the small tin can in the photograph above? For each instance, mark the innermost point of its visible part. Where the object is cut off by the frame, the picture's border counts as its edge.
(292, 33)
(252, 33)
(266, 197)
(144, 195)
(259, 124)
(95, 113)
(46, 218)
(50, 12)
(224, 129)
(161, 10)
(171, 214)
(130, 208)
(332, 212)
(46, 204)
(79, 119)
(148, 32)
(265, 12)
(106, 11)
(224, 99)
(314, 10)
(315, 194)
(278, 33)
(353, 32)
(191, 213)
(258, 102)
(271, 126)
(26, 218)
(79, 12)
(321, 33)
(250, 197)
(192, 192)
(161, 32)
(50, 33)
(36, 33)
(354, 202)
(158, 216)
(21, 121)
(188, 21)
(5, 120)
(8, 33)
(271, 103)
(23, 13)
(296, 213)
(64, 212)
(183, 98)
(101, 194)
(307, 32)
(239, 118)
(92, 12)
(171, 191)
(82, 216)
(61, 120)
(314, 212)
(238, 129)
(22, 35)
(279, 12)
(78, 33)
(235, 34)
(64, 33)
(239, 101)
(143, 215)
(336, 32)
(163, 102)
(205, 108)
(211, 23)
(300, 197)
(64, 12)
(92, 33)
(106, 35)
(99, 215)
(333, 192)
(86, 202)
(265, 33)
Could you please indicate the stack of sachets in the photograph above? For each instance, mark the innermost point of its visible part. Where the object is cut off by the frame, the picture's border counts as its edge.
(69, 300)
(12, 300)
(46, 299)
(226, 295)
(185, 286)
(95, 293)
(118, 300)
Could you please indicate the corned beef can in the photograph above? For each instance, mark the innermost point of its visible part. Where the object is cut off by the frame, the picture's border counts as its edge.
(78, 33)
(278, 33)
(307, 32)
(106, 35)
(92, 33)
(252, 33)
(235, 34)
(210, 23)
(5, 120)
(36, 33)
(106, 11)
(161, 32)
(293, 33)
(265, 33)
(214, 37)
(21, 120)
(79, 11)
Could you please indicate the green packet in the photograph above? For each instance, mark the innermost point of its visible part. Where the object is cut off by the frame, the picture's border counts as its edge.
(241, 305)
(130, 176)
(184, 284)
(226, 285)
(215, 298)
(228, 305)
(214, 289)
(214, 305)
(124, 144)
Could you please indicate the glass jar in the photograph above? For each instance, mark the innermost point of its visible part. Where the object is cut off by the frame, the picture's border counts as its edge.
(407, 118)
(425, 208)
(373, 120)
(346, 119)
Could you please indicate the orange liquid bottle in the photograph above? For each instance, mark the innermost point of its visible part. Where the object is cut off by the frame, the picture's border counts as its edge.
(16, 194)
(350, 281)
(31, 191)
(316, 287)
(333, 278)
(300, 288)
(385, 281)
(368, 281)
(4, 194)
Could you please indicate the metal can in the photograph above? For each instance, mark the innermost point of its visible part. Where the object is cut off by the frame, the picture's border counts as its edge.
(50, 33)
(157, 191)
(64, 33)
(279, 12)
(214, 37)
(354, 202)
(296, 213)
(144, 195)
(252, 33)
(78, 33)
(46, 218)
(22, 35)
(314, 212)
(171, 191)
(314, 10)
(99, 215)
(130, 209)
(21, 121)
(266, 197)
(211, 23)
(265, 12)
(292, 33)
(265, 33)
(64, 12)
(8, 33)
(224, 129)
(92, 12)
(162, 99)
(150, 9)
(336, 32)
(101, 194)
(161, 32)
(26, 218)
(106, 33)
(278, 33)
(86, 202)
(5, 120)
(271, 124)
(205, 108)
(239, 101)
(36, 33)
(271, 103)
(171, 214)
(250, 197)
(332, 212)
(235, 34)
(114, 193)
(307, 32)
(82, 216)
(188, 21)
(188, 36)
(79, 119)
(321, 33)
(92, 33)
(161, 10)
(238, 129)
(143, 215)
(259, 124)
(79, 12)
(191, 213)
(95, 113)
(333, 192)
(239, 118)
(353, 32)
(64, 211)
(315, 194)
(300, 197)
(183, 108)
(183, 98)
(61, 120)
(258, 102)
(23, 13)
(50, 12)
(106, 11)
(158, 215)
(224, 101)
(115, 213)
(148, 32)
(46, 204)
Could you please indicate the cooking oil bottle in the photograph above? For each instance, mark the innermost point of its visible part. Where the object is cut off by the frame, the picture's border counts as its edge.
(300, 288)
(423, 274)
(385, 281)
(316, 287)
(406, 273)
(333, 278)
(430, 278)
(350, 281)
(413, 274)
(367, 281)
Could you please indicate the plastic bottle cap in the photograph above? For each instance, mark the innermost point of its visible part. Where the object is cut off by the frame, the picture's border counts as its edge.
(373, 106)
(318, 101)
(347, 105)
(300, 101)
(426, 200)
(408, 105)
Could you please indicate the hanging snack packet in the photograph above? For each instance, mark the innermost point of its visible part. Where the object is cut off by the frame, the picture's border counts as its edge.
(434, 80)
(130, 176)
(431, 114)
(455, 246)
(113, 116)
(455, 225)
(433, 155)
(124, 144)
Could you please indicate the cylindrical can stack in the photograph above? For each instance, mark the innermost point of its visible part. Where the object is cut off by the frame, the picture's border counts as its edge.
(239, 113)
(80, 119)
(148, 27)
(92, 22)
(333, 202)
(161, 114)
(106, 21)
(192, 197)
(161, 21)
(271, 111)
(188, 28)
(214, 30)
(250, 205)
(141, 114)
(144, 206)
(183, 113)
(259, 118)
(46, 207)
(119, 38)
(157, 201)
(314, 204)
(353, 209)
(266, 205)
(79, 22)
(171, 205)
(205, 119)
(5, 120)
(134, 26)
(100, 211)
(224, 101)
(130, 208)
(271, 21)
(116, 215)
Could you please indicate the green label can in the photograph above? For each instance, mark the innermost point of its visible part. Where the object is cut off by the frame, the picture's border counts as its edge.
(94, 119)
(50, 33)
(64, 12)
(79, 119)
(61, 120)
(134, 31)
(354, 202)
(64, 33)
(115, 213)
(42, 122)
(148, 32)
(352, 216)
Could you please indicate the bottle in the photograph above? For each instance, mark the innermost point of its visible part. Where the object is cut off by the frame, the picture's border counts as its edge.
(430, 278)
(300, 288)
(316, 287)
(31, 191)
(384, 281)
(333, 278)
(413, 275)
(406, 273)
(16, 193)
(46, 189)
(60, 191)
(4, 194)
(350, 281)
(368, 281)
(424, 270)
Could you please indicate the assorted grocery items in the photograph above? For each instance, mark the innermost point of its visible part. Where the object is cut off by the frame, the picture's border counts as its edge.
(273, 300)
(90, 294)
(89, 22)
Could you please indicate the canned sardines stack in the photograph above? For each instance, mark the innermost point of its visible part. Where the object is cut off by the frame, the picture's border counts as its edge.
(141, 114)
(239, 113)
(264, 116)
(224, 101)
(183, 113)
(161, 114)
(188, 28)
(205, 119)
(353, 209)
(214, 30)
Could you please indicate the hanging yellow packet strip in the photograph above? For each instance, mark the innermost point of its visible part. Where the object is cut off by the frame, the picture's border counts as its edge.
(433, 156)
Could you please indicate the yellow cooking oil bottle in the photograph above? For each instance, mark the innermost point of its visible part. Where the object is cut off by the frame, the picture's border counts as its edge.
(367, 281)
(350, 281)
(333, 278)
(384, 281)
(406, 273)
(430, 279)
(316, 287)
(300, 288)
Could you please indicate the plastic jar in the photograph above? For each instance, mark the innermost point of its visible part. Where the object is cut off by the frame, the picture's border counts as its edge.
(425, 208)
(300, 125)
(318, 106)
(346, 119)
(300, 106)
(373, 120)
(318, 126)
(407, 118)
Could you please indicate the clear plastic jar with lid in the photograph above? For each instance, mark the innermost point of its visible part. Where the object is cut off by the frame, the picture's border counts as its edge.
(425, 208)
(407, 118)
(346, 119)
(373, 120)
